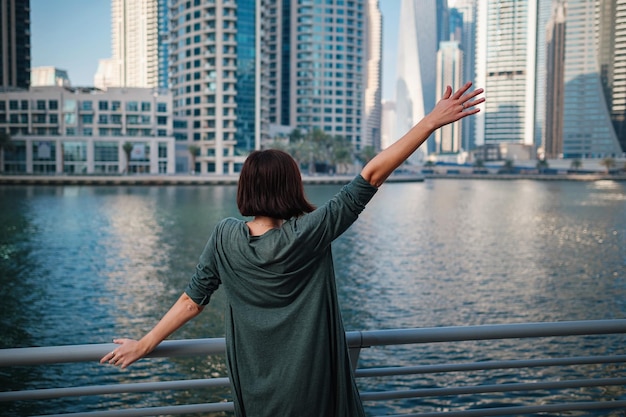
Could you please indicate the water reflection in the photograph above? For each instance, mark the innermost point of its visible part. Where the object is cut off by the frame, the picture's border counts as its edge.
(87, 264)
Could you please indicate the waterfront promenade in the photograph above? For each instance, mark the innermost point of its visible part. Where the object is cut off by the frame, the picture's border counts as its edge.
(188, 179)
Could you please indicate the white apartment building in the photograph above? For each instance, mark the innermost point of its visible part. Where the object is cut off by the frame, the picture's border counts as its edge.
(506, 68)
(135, 42)
(449, 73)
(373, 90)
(56, 130)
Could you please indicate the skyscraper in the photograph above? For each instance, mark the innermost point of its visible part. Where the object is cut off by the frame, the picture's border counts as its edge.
(555, 72)
(373, 105)
(416, 77)
(587, 128)
(317, 65)
(616, 80)
(449, 73)
(136, 46)
(467, 39)
(215, 80)
(544, 13)
(15, 43)
(506, 62)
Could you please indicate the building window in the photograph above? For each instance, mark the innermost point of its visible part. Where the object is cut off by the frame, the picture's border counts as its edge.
(103, 105)
(145, 106)
(115, 105)
(86, 105)
(132, 106)
(41, 104)
(53, 104)
(70, 118)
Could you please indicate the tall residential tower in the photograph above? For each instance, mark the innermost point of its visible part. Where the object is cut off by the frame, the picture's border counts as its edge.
(135, 38)
(555, 71)
(505, 66)
(318, 66)
(214, 76)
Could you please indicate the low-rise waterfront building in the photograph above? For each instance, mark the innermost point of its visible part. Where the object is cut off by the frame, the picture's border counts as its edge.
(57, 130)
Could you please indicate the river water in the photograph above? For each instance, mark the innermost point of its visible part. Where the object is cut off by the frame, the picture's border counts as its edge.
(85, 264)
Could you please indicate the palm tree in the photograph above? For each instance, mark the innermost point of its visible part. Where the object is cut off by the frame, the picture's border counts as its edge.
(479, 166)
(608, 163)
(194, 151)
(5, 144)
(576, 164)
(128, 148)
(542, 165)
(508, 167)
(341, 155)
(366, 154)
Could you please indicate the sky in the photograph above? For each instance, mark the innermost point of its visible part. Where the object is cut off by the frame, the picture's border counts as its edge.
(74, 34)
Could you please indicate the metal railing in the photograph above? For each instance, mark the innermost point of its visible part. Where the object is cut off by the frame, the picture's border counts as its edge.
(613, 384)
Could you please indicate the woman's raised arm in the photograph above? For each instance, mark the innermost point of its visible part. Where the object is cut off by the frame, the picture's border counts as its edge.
(451, 108)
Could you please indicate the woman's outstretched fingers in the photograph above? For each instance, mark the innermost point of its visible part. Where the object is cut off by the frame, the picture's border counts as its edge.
(457, 95)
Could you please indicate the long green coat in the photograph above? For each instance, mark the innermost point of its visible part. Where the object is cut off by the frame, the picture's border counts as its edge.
(285, 342)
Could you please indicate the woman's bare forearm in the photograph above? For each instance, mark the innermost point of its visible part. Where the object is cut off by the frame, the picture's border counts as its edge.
(181, 312)
(451, 108)
(130, 350)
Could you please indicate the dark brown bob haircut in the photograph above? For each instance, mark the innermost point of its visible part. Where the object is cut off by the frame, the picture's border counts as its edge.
(270, 184)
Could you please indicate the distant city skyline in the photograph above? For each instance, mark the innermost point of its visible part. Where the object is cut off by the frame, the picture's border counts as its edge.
(73, 35)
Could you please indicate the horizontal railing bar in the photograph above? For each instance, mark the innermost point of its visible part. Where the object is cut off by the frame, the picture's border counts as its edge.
(154, 411)
(517, 410)
(356, 339)
(483, 366)
(44, 394)
(484, 332)
(483, 389)
(93, 352)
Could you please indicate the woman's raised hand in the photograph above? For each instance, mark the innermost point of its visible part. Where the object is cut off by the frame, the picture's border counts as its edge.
(453, 107)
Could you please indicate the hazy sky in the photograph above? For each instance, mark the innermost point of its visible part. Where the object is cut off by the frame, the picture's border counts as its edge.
(74, 34)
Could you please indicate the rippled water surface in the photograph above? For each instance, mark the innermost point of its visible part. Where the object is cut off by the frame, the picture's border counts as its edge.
(85, 264)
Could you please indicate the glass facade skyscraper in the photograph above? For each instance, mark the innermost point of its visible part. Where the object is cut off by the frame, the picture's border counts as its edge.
(317, 61)
(15, 43)
(587, 128)
(416, 77)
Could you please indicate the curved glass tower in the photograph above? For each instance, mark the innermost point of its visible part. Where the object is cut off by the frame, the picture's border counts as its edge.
(416, 78)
